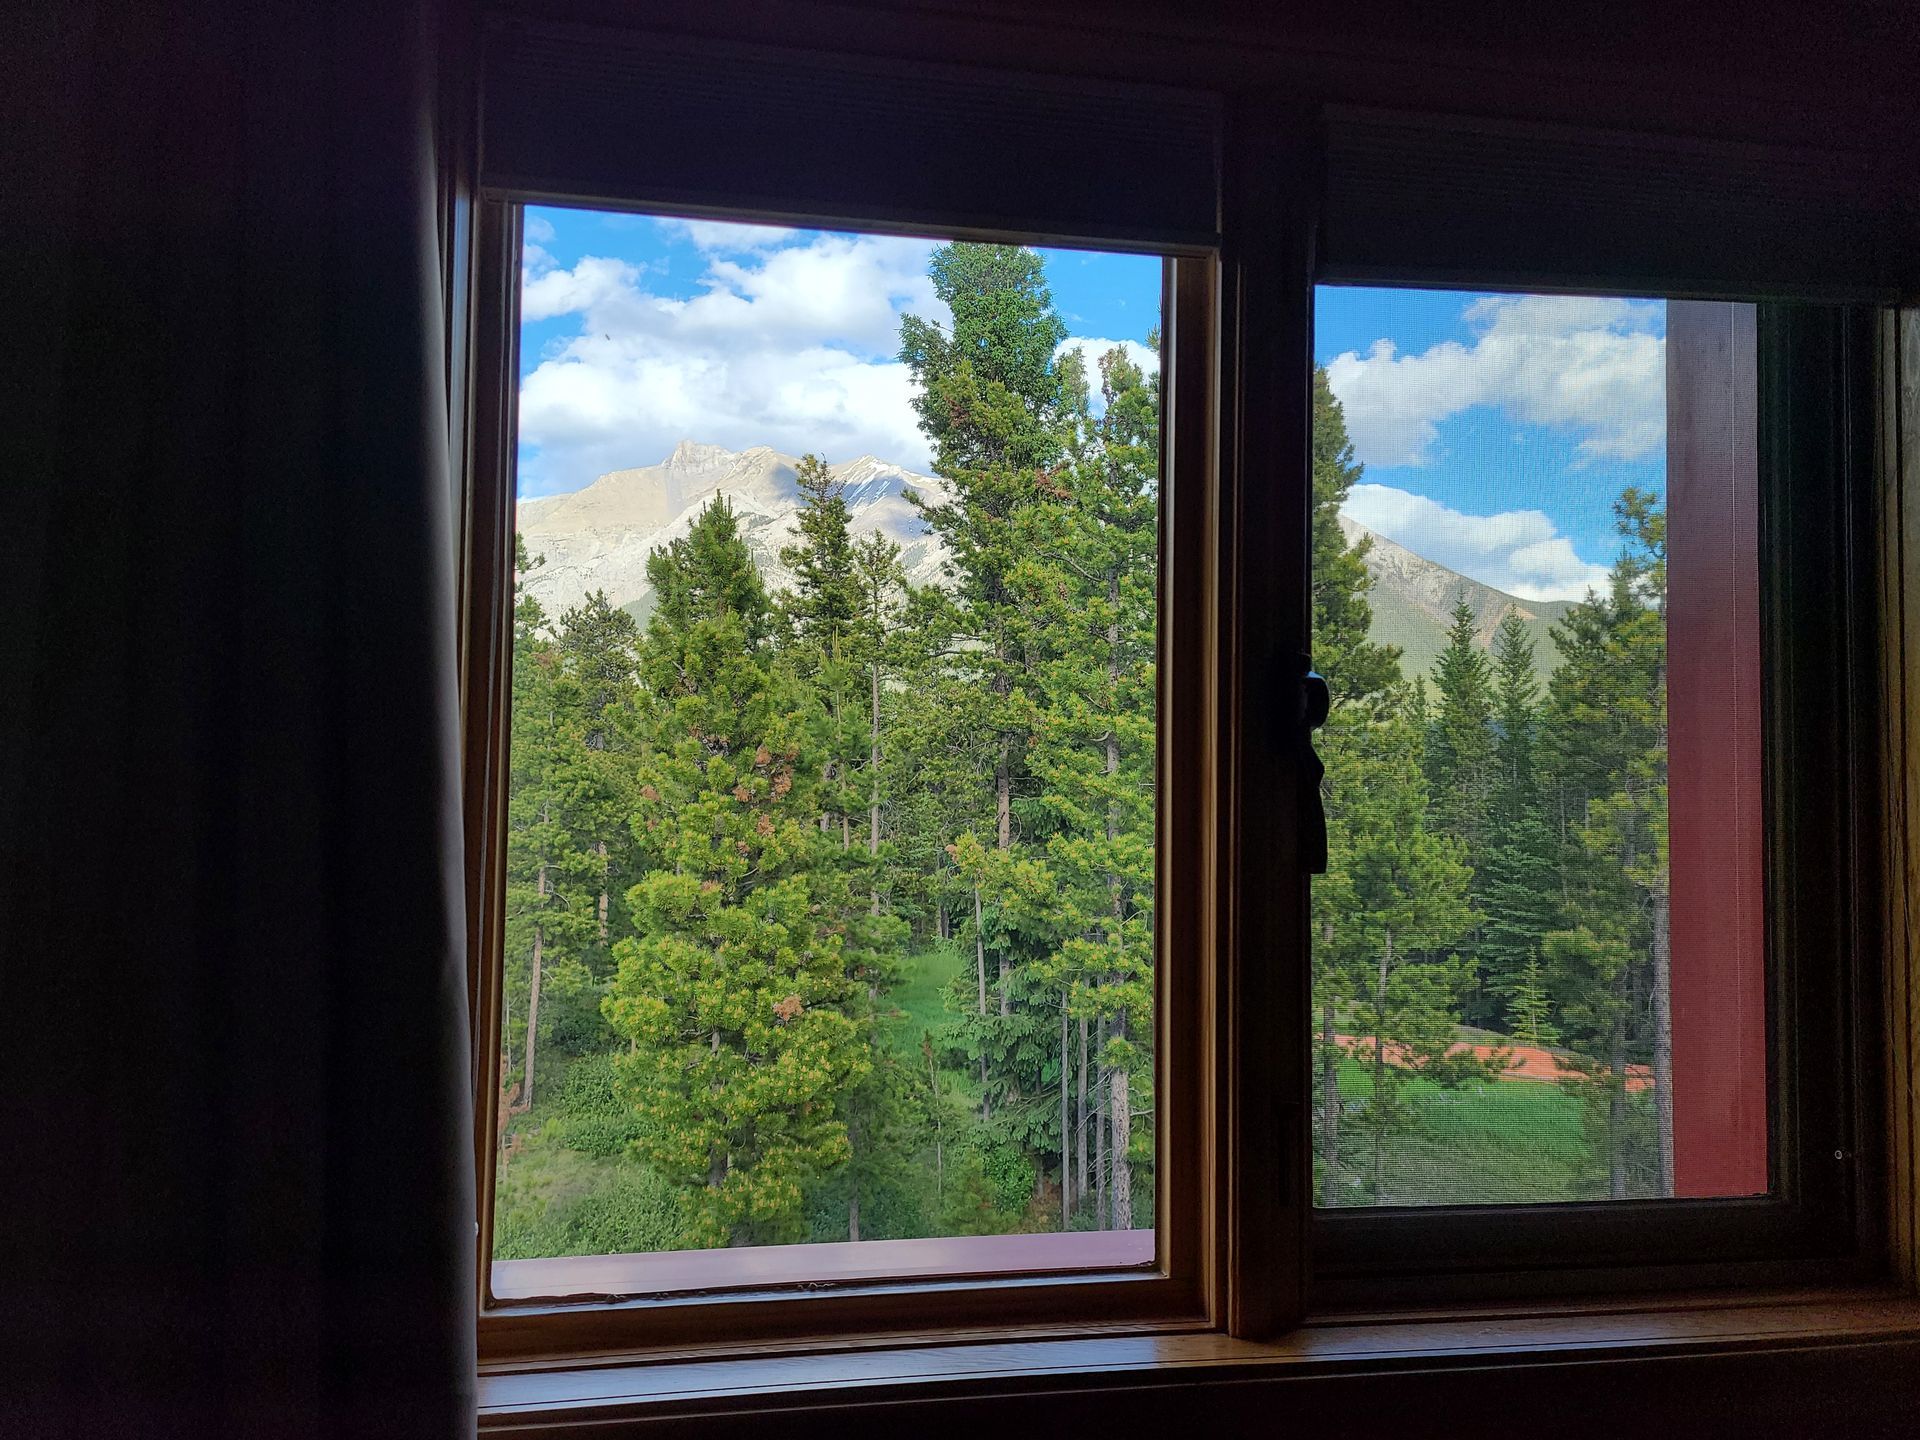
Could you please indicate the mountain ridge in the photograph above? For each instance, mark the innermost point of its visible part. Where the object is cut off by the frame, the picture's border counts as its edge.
(599, 537)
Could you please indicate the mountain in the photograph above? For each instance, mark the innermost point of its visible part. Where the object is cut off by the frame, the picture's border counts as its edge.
(1413, 599)
(598, 538)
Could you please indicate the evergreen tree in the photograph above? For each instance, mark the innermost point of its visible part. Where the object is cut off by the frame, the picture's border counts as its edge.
(1360, 677)
(597, 645)
(1404, 891)
(552, 869)
(1531, 1009)
(1460, 748)
(819, 612)
(995, 406)
(1094, 598)
(735, 992)
(1518, 889)
(1606, 724)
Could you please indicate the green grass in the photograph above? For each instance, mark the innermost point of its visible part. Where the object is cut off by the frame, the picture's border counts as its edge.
(1498, 1142)
(919, 997)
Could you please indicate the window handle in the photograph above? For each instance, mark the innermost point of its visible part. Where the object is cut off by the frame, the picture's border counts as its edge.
(1311, 701)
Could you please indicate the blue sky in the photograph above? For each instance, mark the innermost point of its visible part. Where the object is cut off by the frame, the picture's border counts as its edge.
(1495, 430)
(639, 332)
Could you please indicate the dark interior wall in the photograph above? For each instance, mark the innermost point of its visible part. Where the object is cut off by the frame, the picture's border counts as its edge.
(1838, 74)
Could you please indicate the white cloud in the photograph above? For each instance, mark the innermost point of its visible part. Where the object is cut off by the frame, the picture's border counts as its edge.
(1092, 349)
(788, 345)
(1518, 551)
(539, 229)
(1588, 365)
(728, 235)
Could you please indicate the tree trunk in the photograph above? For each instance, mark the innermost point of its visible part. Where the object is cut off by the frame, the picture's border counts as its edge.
(717, 1153)
(980, 973)
(1380, 1072)
(873, 779)
(1005, 1006)
(1003, 798)
(602, 847)
(853, 1185)
(1066, 1159)
(1080, 1113)
(1122, 1134)
(1617, 1098)
(533, 1022)
(1100, 1165)
(1329, 1110)
(1663, 1034)
(533, 981)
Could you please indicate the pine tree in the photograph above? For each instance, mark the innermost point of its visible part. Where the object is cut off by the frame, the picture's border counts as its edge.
(1606, 724)
(837, 618)
(1518, 888)
(1404, 889)
(735, 992)
(1094, 598)
(1460, 750)
(999, 412)
(819, 612)
(552, 868)
(597, 645)
(1531, 1008)
(1360, 676)
(1357, 670)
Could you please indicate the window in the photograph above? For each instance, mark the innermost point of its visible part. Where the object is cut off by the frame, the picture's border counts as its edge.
(800, 893)
(828, 845)
(1539, 960)
(831, 785)
(1733, 559)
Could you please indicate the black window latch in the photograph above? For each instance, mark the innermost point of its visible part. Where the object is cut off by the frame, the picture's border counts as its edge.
(1310, 701)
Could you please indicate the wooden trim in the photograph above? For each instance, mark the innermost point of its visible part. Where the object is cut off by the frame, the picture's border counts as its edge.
(1117, 1371)
(1183, 1286)
(486, 678)
(1717, 804)
(1189, 983)
(1267, 256)
(1899, 499)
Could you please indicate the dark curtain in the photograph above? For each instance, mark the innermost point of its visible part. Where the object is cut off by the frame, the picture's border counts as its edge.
(235, 1155)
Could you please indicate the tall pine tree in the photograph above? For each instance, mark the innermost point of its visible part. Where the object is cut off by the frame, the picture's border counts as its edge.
(736, 994)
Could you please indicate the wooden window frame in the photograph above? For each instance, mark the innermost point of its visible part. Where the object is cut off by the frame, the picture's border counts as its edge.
(1002, 1290)
(1819, 1224)
(1242, 1253)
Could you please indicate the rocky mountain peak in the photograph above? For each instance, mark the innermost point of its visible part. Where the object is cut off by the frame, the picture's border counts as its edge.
(599, 538)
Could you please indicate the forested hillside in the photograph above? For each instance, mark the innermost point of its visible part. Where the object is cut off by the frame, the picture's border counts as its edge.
(830, 909)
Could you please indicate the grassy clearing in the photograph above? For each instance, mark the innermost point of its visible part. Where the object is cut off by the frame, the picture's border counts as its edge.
(919, 998)
(1499, 1142)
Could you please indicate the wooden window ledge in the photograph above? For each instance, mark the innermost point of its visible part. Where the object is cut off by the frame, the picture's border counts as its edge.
(1858, 1350)
(680, 1272)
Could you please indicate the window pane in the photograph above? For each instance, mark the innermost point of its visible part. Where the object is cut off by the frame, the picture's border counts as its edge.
(831, 822)
(1538, 969)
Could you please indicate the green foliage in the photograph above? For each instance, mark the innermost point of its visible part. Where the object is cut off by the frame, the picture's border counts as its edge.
(733, 991)
(547, 1204)
(591, 1116)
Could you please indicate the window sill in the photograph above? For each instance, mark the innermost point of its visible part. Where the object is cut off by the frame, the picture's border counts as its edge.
(1799, 1334)
(768, 1267)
